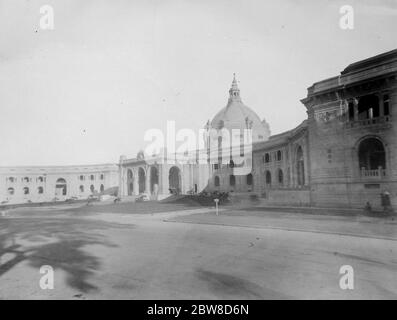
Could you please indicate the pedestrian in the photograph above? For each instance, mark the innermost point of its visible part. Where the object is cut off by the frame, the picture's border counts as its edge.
(386, 203)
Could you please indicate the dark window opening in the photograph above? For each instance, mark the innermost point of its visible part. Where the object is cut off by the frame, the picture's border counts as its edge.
(280, 177)
(368, 107)
(351, 111)
(268, 178)
(216, 181)
(232, 180)
(386, 106)
(372, 154)
(249, 179)
(300, 167)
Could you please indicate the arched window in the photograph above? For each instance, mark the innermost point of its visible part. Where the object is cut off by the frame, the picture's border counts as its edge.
(11, 179)
(130, 188)
(10, 191)
(279, 155)
(232, 180)
(267, 158)
(61, 186)
(102, 188)
(26, 190)
(129, 174)
(102, 177)
(372, 155)
(26, 179)
(40, 190)
(92, 188)
(154, 179)
(300, 166)
(92, 177)
(268, 178)
(141, 180)
(40, 179)
(220, 149)
(216, 181)
(81, 189)
(81, 178)
(280, 177)
(249, 179)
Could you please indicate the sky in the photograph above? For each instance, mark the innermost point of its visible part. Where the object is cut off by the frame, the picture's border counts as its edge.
(87, 91)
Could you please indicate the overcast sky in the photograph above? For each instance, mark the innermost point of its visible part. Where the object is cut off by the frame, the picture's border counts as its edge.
(86, 91)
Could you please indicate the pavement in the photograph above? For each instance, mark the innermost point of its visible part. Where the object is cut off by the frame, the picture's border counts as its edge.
(146, 252)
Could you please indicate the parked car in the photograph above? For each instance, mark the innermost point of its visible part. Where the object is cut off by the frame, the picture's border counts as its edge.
(142, 197)
(93, 197)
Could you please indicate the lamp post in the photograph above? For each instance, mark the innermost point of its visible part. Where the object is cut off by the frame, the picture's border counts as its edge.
(216, 205)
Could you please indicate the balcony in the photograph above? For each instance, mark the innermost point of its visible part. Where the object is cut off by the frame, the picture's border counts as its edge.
(369, 122)
(373, 174)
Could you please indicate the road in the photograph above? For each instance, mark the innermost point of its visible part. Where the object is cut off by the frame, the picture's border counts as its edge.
(108, 255)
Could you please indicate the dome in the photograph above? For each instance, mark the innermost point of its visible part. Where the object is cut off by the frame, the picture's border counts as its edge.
(236, 115)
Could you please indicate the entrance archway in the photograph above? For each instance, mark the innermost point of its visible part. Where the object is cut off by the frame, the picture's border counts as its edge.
(141, 180)
(300, 166)
(130, 182)
(174, 179)
(154, 180)
(60, 187)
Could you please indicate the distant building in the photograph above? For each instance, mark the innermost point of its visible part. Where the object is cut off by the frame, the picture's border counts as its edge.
(55, 183)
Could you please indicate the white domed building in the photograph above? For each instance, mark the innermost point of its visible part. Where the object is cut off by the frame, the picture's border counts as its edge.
(237, 116)
(225, 164)
(232, 133)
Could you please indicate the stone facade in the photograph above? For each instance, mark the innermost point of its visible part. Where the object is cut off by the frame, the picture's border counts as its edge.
(352, 134)
(55, 183)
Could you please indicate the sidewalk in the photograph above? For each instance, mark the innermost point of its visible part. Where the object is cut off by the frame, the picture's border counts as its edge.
(357, 226)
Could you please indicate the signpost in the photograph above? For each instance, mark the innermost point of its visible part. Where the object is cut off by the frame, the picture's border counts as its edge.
(216, 205)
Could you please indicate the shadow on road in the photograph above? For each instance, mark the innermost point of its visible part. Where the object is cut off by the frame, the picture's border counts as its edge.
(56, 242)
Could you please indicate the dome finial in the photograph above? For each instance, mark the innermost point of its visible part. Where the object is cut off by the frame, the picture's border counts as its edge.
(234, 82)
(234, 91)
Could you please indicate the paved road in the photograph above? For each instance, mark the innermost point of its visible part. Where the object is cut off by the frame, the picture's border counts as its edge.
(124, 256)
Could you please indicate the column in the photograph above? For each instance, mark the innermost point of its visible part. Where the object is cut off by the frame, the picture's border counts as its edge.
(135, 178)
(381, 105)
(355, 102)
(147, 180)
(291, 164)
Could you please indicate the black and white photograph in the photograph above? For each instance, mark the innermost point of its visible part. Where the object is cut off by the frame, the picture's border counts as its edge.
(198, 150)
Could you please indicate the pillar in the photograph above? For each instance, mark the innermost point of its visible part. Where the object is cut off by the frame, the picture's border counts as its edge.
(355, 102)
(135, 180)
(147, 180)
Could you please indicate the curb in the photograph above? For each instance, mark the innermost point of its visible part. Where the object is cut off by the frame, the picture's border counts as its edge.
(346, 234)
